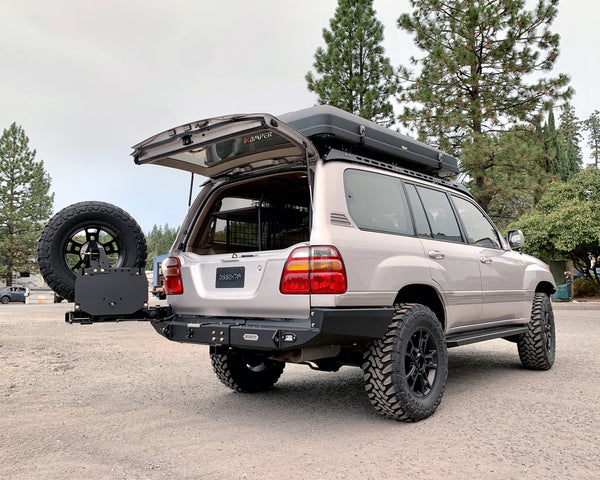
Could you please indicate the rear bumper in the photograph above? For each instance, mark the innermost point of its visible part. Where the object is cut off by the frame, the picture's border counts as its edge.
(323, 327)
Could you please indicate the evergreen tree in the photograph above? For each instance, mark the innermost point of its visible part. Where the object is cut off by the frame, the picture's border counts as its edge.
(25, 202)
(471, 85)
(514, 180)
(553, 148)
(592, 125)
(159, 241)
(354, 73)
(569, 137)
(562, 154)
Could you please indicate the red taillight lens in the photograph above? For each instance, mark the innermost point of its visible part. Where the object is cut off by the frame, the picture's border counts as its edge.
(172, 272)
(314, 270)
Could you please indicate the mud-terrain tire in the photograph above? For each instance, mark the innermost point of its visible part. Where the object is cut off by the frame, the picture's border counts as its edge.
(537, 346)
(61, 244)
(245, 374)
(405, 371)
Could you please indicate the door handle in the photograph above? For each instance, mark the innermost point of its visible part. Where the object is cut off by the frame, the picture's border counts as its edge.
(485, 260)
(437, 255)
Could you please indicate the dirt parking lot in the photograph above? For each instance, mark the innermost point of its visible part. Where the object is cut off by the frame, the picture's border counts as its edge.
(117, 401)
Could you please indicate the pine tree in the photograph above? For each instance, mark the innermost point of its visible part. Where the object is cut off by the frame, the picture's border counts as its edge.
(159, 241)
(514, 180)
(354, 73)
(25, 202)
(569, 136)
(553, 148)
(592, 125)
(471, 85)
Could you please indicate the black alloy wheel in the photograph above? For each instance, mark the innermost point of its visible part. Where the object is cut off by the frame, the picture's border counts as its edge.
(421, 362)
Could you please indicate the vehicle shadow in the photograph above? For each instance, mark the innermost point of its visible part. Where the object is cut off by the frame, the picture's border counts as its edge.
(327, 398)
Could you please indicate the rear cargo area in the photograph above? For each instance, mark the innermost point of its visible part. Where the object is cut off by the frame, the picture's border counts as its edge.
(267, 213)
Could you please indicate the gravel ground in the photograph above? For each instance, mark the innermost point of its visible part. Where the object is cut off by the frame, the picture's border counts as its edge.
(117, 401)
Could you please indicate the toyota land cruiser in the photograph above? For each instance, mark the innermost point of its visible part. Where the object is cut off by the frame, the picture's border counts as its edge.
(318, 238)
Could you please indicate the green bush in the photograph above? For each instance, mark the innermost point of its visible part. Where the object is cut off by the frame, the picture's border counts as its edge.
(584, 288)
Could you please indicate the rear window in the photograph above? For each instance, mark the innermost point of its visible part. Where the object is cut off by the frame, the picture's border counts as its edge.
(264, 214)
(231, 148)
(377, 202)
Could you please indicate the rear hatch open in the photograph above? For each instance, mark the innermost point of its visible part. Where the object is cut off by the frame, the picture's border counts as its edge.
(239, 233)
(225, 145)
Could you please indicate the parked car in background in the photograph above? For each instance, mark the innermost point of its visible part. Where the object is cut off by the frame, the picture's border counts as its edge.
(14, 294)
(158, 281)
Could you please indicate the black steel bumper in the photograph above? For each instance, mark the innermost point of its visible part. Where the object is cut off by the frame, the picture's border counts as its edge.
(324, 327)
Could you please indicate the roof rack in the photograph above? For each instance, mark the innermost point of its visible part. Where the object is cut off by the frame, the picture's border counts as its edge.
(335, 154)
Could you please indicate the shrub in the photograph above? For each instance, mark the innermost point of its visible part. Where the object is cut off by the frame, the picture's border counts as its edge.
(584, 288)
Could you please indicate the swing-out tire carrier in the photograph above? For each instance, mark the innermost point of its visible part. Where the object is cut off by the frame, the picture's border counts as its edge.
(112, 295)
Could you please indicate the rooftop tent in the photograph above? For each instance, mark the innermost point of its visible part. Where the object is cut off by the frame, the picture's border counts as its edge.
(328, 126)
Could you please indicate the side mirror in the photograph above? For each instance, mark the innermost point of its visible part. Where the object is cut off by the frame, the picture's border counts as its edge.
(516, 239)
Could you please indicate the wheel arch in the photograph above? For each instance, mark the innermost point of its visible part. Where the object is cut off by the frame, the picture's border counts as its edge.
(545, 287)
(425, 295)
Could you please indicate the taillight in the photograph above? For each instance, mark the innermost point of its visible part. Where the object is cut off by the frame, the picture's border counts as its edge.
(314, 270)
(172, 273)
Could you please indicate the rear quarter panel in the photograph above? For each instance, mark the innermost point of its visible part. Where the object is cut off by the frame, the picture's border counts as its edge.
(378, 265)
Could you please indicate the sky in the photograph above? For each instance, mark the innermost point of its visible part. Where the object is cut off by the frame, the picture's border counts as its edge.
(86, 80)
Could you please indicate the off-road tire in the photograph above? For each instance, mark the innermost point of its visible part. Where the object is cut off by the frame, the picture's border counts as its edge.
(537, 346)
(242, 373)
(52, 245)
(405, 371)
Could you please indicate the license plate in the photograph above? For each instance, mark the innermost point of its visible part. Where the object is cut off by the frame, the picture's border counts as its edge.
(230, 277)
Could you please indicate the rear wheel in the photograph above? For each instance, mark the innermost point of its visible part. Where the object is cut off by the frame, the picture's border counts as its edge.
(66, 241)
(537, 346)
(5, 300)
(246, 372)
(405, 371)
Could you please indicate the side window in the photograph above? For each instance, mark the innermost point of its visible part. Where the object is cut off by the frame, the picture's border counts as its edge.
(440, 215)
(421, 223)
(480, 231)
(377, 202)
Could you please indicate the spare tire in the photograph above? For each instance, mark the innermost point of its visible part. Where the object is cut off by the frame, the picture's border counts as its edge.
(66, 237)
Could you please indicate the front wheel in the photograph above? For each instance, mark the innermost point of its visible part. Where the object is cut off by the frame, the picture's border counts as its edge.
(5, 300)
(405, 371)
(537, 346)
(246, 372)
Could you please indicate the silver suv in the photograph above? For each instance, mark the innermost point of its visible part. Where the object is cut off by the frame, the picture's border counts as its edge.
(325, 239)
